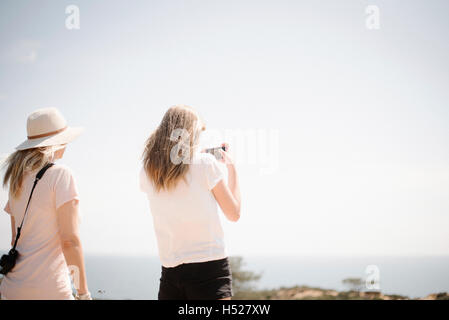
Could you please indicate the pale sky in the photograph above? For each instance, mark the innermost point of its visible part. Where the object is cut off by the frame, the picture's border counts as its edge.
(360, 117)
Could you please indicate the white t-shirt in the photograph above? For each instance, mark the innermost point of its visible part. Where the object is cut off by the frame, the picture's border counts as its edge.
(185, 219)
(41, 271)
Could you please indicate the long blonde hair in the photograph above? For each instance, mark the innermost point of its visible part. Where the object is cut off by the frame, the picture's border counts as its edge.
(177, 133)
(21, 161)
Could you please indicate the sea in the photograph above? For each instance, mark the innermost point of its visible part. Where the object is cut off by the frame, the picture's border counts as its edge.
(137, 277)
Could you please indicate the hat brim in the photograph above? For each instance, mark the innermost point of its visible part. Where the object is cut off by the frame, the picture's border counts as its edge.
(68, 135)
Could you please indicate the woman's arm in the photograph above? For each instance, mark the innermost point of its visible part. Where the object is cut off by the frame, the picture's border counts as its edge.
(71, 243)
(13, 230)
(228, 196)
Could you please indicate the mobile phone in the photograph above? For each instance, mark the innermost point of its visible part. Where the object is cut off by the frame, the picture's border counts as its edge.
(215, 151)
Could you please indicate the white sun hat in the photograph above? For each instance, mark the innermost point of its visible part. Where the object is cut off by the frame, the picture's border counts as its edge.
(47, 127)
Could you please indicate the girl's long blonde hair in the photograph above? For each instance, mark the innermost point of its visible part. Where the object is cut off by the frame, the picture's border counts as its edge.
(21, 161)
(170, 148)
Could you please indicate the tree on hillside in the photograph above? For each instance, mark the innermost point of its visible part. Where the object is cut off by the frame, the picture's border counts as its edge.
(354, 284)
(241, 280)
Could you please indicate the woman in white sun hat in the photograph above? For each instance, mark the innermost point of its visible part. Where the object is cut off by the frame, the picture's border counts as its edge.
(48, 242)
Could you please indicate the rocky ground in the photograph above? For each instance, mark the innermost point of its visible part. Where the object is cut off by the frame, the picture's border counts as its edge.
(307, 293)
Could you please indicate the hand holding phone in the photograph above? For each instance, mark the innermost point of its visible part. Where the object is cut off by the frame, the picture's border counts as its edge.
(216, 151)
(221, 154)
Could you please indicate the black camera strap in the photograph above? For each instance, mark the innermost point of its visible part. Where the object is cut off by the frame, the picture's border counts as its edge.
(39, 176)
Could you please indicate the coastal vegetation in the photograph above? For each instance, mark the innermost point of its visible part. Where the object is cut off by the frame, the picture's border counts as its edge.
(244, 287)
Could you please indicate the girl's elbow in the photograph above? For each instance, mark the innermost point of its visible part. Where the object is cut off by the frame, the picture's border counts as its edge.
(234, 216)
(69, 242)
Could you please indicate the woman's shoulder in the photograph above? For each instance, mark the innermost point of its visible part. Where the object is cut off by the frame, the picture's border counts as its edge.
(59, 171)
(60, 168)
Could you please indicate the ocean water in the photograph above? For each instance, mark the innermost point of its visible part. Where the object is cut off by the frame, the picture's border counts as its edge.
(113, 277)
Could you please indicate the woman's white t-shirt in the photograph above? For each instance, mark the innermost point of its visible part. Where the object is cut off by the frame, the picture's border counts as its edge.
(185, 219)
(41, 271)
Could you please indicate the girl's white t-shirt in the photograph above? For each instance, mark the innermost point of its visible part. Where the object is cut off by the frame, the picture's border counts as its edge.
(41, 272)
(186, 221)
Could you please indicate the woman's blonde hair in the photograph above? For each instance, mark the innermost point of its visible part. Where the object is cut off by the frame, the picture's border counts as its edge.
(170, 148)
(21, 161)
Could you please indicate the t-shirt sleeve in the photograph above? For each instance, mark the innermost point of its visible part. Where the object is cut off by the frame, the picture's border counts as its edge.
(213, 172)
(65, 187)
(7, 208)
